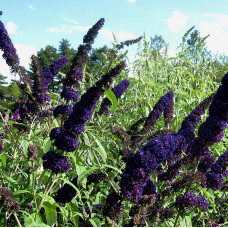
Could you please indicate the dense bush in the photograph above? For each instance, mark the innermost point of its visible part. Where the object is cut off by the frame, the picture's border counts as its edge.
(79, 158)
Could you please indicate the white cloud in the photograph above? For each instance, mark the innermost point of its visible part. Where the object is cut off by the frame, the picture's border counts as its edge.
(217, 27)
(106, 33)
(131, 1)
(70, 20)
(12, 28)
(61, 29)
(177, 22)
(31, 7)
(24, 53)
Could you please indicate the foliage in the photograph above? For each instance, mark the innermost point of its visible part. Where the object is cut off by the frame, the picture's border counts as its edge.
(64, 164)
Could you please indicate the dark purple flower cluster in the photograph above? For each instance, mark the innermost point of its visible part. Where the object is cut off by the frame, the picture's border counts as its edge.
(56, 163)
(163, 103)
(118, 91)
(189, 123)
(113, 207)
(92, 33)
(218, 169)
(75, 73)
(66, 141)
(69, 94)
(211, 131)
(96, 178)
(63, 110)
(9, 51)
(190, 201)
(6, 193)
(81, 57)
(55, 132)
(146, 160)
(206, 163)
(83, 109)
(54, 69)
(6, 200)
(66, 193)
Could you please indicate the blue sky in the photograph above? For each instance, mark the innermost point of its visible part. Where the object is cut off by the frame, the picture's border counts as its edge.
(33, 24)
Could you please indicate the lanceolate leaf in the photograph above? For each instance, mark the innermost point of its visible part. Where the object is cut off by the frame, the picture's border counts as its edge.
(112, 97)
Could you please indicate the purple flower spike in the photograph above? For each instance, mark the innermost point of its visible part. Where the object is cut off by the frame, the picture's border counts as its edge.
(55, 162)
(9, 51)
(66, 141)
(54, 69)
(69, 94)
(190, 201)
(160, 106)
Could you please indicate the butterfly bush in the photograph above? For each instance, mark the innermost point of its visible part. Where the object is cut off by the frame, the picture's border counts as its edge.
(161, 167)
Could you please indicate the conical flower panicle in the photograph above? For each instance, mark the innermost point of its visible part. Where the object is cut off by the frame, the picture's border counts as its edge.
(92, 33)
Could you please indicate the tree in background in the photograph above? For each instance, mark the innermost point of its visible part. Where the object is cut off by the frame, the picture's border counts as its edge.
(8, 94)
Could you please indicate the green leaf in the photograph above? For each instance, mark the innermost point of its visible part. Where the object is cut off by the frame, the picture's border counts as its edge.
(186, 221)
(50, 213)
(100, 149)
(86, 174)
(10, 179)
(47, 198)
(3, 158)
(112, 97)
(46, 145)
(95, 222)
(21, 192)
(33, 220)
(112, 167)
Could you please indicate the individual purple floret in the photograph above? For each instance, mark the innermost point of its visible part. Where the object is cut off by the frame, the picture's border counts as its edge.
(54, 132)
(66, 141)
(56, 163)
(9, 51)
(118, 91)
(16, 115)
(190, 201)
(54, 69)
(63, 110)
(69, 94)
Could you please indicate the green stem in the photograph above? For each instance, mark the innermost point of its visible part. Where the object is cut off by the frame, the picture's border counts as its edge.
(45, 192)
